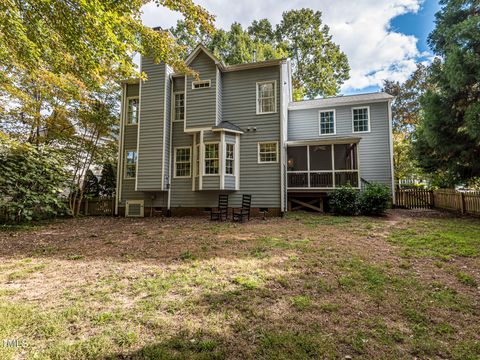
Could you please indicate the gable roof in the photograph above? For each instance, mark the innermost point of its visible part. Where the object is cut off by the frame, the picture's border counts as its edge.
(197, 50)
(357, 99)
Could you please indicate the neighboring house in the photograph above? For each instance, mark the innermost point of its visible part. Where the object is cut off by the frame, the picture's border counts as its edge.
(236, 130)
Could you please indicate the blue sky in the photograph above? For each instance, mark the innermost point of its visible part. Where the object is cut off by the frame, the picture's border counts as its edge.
(383, 39)
(420, 24)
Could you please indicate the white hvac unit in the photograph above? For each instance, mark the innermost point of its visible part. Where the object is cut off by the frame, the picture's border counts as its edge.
(134, 208)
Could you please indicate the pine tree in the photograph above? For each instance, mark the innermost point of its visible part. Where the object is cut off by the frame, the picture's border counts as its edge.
(448, 141)
(108, 180)
(91, 188)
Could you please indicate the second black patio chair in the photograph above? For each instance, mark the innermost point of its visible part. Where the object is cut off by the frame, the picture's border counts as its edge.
(221, 212)
(244, 211)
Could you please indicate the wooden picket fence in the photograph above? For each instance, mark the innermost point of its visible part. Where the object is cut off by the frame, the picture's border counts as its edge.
(414, 198)
(98, 207)
(465, 202)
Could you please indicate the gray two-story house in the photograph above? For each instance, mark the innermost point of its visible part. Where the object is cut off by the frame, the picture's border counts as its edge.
(234, 129)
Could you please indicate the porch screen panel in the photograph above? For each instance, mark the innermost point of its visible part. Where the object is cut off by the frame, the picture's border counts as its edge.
(297, 167)
(321, 157)
(346, 167)
(345, 156)
(321, 161)
(297, 158)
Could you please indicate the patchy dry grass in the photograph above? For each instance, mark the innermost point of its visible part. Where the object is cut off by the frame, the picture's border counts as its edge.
(308, 286)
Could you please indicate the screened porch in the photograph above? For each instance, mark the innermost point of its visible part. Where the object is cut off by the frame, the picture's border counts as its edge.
(322, 167)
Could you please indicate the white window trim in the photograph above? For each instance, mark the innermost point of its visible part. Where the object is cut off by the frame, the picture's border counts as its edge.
(126, 110)
(274, 96)
(175, 176)
(205, 158)
(125, 177)
(233, 159)
(369, 123)
(258, 152)
(173, 110)
(334, 122)
(194, 82)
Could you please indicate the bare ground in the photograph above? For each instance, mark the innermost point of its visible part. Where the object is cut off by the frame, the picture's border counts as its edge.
(308, 286)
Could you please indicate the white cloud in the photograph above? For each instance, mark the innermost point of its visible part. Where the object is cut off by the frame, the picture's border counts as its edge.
(361, 28)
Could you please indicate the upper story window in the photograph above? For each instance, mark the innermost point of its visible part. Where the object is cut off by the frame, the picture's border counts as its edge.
(130, 164)
(266, 97)
(211, 159)
(229, 159)
(183, 156)
(179, 107)
(132, 111)
(327, 122)
(361, 119)
(267, 152)
(200, 84)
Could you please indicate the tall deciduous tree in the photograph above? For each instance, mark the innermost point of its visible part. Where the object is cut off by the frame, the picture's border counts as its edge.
(406, 115)
(319, 66)
(449, 134)
(53, 52)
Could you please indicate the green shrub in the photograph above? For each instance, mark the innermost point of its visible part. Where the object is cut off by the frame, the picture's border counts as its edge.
(344, 201)
(374, 200)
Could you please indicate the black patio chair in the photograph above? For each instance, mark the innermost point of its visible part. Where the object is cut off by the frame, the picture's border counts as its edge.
(244, 211)
(221, 212)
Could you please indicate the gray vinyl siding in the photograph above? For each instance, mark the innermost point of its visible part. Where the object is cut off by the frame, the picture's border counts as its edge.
(219, 98)
(262, 181)
(132, 90)
(178, 84)
(229, 182)
(201, 103)
(151, 128)
(374, 147)
(168, 124)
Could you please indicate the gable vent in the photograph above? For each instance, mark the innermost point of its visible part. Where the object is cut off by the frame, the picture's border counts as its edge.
(134, 208)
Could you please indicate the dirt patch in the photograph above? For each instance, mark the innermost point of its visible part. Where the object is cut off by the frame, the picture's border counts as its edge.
(307, 286)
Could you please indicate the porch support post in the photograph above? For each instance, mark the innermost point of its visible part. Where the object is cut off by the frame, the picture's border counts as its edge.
(333, 165)
(201, 162)
(222, 155)
(308, 165)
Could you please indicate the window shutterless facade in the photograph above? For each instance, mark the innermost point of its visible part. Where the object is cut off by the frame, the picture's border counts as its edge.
(132, 111)
(211, 159)
(183, 160)
(361, 119)
(201, 84)
(268, 152)
(179, 107)
(229, 159)
(130, 164)
(326, 120)
(266, 97)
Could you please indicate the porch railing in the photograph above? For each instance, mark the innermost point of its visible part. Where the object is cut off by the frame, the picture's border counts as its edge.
(325, 179)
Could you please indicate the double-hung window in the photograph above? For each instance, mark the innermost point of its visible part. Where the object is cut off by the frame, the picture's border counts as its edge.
(179, 110)
(211, 159)
(361, 119)
(229, 159)
(267, 152)
(327, 122)
(182, 161)
(130, 164)
(132, 111)
(266, 97)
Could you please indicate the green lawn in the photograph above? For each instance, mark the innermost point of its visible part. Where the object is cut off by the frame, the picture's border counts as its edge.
(308, 286)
